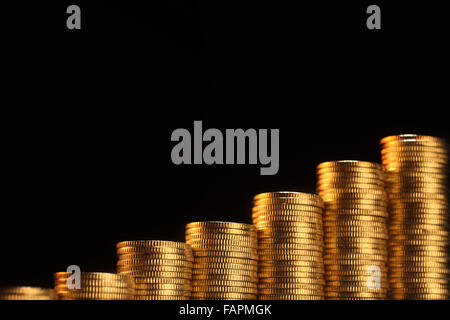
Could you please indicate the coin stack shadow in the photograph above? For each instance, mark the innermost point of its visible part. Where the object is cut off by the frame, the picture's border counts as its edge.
(290, 245)
(162, 270)
(94, 286)
(416, 171)
(225, 260)
(355, 229)
(27, 293)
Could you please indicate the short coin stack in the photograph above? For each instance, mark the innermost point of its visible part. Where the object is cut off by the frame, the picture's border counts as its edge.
(27, 293)
(94, 286)
(226, 260)
(290, 245)
(416, 170)
(355, 229)
(162, 270)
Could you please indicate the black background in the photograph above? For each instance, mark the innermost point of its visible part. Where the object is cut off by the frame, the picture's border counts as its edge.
(86, 116)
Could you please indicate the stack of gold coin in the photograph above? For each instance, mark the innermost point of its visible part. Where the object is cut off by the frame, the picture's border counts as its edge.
(355, 229)
(225, 260)
(290, 245)
(416, 171)
(162, 270)
(94, 286)
(27, 293)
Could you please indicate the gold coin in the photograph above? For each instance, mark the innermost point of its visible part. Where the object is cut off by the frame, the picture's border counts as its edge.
(314, 279)
(225, 283)
(286, 255)
(287, 194)
(155, 256)
(200, 243)
(283, 201)
(154, 251)
(154, 262)
(223, 289)
(225, 260)
(160, 268)
(223, 296)
(287, 206)
(290, 260)
(98, 283)
(214, 248)
(159, 274)
(221, 230)
(297, 291)
(94, 296)
(284, 214)
(223, 240)
(93, 276)
(153, 243)
(219, 265)
(221, 225)
(349, 164)
(251, 255)
(165, 280)
(280, 236)
(224, 277)
(290, 297)
(159, 297)
(378, 205)
(285, 286)
(215, 271)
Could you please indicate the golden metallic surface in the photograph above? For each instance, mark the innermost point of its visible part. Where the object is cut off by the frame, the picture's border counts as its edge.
(223, 296)
(225, 260)
(355, 227)
(220, 230)
(155, 268)
(289, 297)
(225, 277)
(284, 201)
(97, 283)
(220, 265)
(155, 256)
(154, 250)
(316, 278)
(158, 274)
(295, 291)
(27, 293)
(249, 254)
(285, 214)
(416, 169)
(162, 280)
(298, 209)
(217, 247)
(161, 298)
(153, 243)
(154, 262)
(225, 283)
(223, 289)
(221, 224)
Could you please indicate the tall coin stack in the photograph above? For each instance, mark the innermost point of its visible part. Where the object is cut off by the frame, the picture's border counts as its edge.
(27, 293)
(355, 229)
(94, 286)
(416, 170)
(290, 245)
(225, 260)
(162, 270)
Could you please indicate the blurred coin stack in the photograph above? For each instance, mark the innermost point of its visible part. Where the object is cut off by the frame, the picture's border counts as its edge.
(27, 293)
(290, 245)
(355, 229)
(225, 260)
(416, 171)
(162, 270)
(94, 286)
